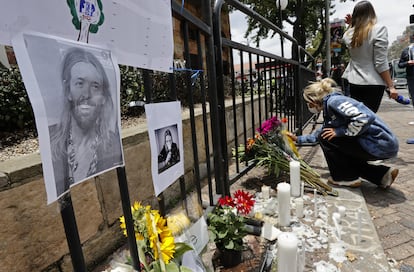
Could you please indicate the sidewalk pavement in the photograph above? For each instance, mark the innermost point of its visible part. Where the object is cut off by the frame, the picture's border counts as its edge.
(391, 211)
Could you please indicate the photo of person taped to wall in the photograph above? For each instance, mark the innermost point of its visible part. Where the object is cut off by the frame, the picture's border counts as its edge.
(74, 89)
(169, 153)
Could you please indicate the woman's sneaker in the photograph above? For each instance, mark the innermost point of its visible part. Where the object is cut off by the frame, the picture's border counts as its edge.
(389, 178)
(348, 183)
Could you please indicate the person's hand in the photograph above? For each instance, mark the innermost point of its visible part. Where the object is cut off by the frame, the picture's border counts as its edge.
(393, 92)
(348, 19)
(410, 62)
(292, 136)
(328, 133)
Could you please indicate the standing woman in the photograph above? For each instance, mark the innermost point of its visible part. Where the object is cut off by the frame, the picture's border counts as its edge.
(368, 71)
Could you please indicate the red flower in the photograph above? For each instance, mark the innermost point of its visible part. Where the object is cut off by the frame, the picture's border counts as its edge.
(244, 201)
(284, 120)
(226, 201)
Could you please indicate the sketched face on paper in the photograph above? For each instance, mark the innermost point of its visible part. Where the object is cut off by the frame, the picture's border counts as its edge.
(86, 93)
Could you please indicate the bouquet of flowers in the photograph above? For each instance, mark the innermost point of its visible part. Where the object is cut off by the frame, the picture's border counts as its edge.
(273, 149)
(155, 241)
(227, 222)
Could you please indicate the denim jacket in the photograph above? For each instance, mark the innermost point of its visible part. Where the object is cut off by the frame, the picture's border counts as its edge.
(351, 118)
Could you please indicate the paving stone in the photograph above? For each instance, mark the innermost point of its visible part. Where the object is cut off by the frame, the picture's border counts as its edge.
(401, 252)
(391, 241)
(407, 222)
(409, 262)
(406, 268)
(410, 232)
(392, 228)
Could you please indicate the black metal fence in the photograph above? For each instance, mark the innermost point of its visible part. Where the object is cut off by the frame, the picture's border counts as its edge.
(274, 81)
(265, 85)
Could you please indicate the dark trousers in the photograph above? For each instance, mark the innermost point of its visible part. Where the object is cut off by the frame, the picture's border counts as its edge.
(347, 160)
(410, 85)
(370, 95)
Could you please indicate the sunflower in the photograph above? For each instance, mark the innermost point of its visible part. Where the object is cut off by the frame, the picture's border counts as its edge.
(123, 225)
(160, 237)
(155, 241)
(167, 248)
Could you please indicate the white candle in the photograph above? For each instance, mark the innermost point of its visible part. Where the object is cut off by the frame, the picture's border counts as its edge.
(265, 192)
(299, 207)
(301, 254)
(287, 247)
(359, 225)
(315, 203)
(342, 211)
(283, 198)
(302, 188)
(294, 167)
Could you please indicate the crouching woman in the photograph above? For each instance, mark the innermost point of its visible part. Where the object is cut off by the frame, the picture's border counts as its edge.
(351, 136)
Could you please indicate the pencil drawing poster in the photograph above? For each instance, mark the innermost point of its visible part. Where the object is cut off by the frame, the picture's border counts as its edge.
(166, 140)
(138, 32)
(74, 92)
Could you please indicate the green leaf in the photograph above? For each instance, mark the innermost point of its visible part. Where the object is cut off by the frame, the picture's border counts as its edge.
(185, 269)
(181, 248)
(222, 234)
(230, 245)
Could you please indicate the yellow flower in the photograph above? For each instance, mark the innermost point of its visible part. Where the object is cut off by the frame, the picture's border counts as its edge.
(290, 142)
(160, 236)
(154, 238)
(123, 225)
(167, 248)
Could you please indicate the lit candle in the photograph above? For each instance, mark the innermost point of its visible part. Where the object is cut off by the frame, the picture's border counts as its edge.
(283, 198)
(265, 192)
(299, 207)
(294, 167)
(316, 203)
(287, 244)
(359, 225)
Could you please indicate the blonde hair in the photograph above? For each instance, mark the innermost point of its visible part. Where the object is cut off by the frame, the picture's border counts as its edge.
(363, 20)
(316, 91)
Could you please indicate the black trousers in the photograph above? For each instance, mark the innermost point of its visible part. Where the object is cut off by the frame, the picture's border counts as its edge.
(410, 84)
(370, 95)
(347, 160)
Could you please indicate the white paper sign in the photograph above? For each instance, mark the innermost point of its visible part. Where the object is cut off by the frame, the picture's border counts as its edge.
(196, 235)
(166, 140)
(74, 92)
(138, 32)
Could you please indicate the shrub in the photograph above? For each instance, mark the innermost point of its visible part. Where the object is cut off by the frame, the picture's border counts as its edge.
(16, 112)
(15, 109)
